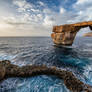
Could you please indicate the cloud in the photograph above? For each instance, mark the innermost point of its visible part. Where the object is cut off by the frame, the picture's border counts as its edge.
(39, 18)
(29, 13)
(33, 16)
(48, 21)
(36, 20)
(41, 3)
(83, 10)
(83, 2)
(22, 5)
(62, 10)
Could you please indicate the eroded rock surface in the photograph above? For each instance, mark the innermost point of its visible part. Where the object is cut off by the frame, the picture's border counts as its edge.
(65, 34)
(70, 80)
(2, 72)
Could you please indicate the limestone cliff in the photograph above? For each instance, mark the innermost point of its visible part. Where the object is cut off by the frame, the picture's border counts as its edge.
(70, 80)
(88, 34)
(65, 34)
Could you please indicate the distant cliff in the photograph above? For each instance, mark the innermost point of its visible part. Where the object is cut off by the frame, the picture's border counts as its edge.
(88, 34)
(65, 34)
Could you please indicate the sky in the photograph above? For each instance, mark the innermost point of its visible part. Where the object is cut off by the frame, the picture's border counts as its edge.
(37, 17)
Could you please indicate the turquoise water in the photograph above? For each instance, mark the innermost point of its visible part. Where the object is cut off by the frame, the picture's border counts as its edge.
(39, 51)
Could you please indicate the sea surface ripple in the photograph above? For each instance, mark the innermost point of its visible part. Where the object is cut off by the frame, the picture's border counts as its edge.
(41, 51)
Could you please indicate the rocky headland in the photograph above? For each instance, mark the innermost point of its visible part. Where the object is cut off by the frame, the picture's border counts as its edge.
(70, 80)
(65, 34)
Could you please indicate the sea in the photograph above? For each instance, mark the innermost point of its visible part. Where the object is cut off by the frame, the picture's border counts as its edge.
(42, 51)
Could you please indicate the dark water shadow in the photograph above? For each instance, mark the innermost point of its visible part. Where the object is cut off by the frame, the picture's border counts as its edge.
(69, 58)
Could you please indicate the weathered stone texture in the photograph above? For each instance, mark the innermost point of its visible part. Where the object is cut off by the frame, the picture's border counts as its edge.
(65, 34)
(70, 80)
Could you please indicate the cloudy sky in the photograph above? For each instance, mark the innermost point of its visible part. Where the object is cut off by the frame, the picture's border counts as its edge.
(37, 17)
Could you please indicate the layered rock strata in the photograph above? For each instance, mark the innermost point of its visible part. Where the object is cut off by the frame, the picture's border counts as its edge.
(65, 34)
(70, 80)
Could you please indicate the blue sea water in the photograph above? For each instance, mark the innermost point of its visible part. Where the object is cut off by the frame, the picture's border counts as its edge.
(39, 51)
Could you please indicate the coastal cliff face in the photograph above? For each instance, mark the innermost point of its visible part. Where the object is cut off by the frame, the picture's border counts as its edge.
(70, 80)
(65, 34)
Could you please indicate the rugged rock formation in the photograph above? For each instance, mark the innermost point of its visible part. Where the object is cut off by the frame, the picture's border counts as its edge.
(88, 34)
(72, 83)
(2, 72)
(65, 34)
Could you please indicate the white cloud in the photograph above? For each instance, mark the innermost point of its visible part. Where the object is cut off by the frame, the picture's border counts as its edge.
(83, 1)
(62, 10)
(22, 5)
(35, 10)
(82, 4)
(31, 20)
(41, 3)
(48, 21)
(4, 26)
(82, 8)
(28, 20)
(37, 16)
(46, 18)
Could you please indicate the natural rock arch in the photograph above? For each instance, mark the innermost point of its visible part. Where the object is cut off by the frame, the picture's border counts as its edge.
(65, 34)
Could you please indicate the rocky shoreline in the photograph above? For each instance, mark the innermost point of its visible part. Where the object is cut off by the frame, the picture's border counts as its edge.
(71, 82)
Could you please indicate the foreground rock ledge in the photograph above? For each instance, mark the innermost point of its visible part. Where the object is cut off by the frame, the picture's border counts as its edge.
(65, 34)
(72, 83)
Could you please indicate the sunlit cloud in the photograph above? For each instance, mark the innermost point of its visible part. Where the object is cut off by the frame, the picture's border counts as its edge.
(36, 18)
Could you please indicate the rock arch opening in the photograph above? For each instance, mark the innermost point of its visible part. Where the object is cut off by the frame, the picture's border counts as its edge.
(65, 34)
(81, 35)
(82, 32)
